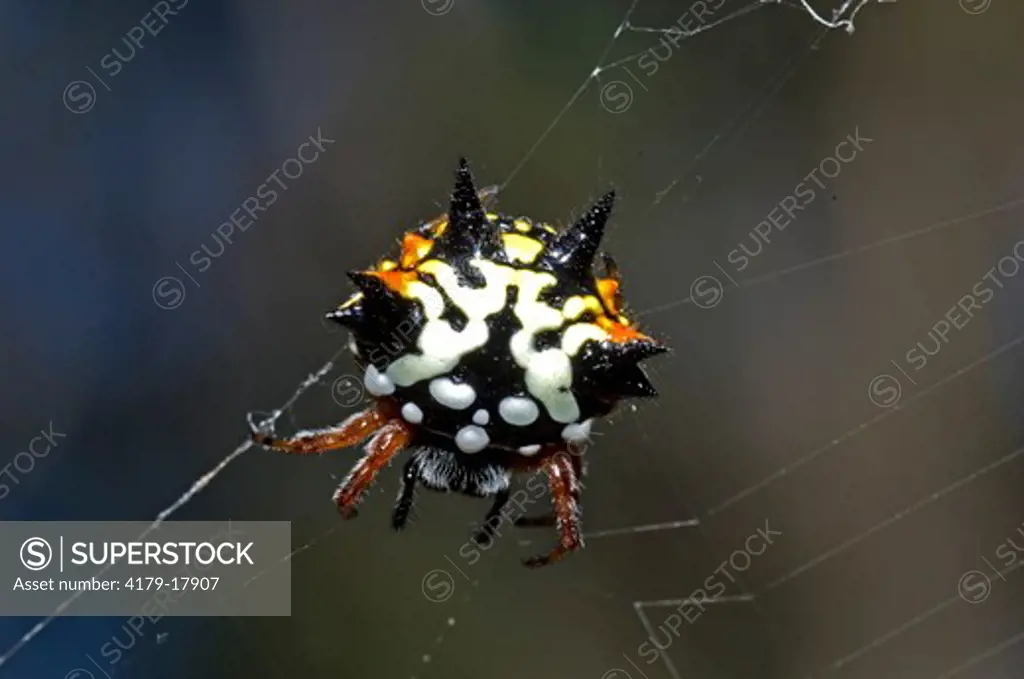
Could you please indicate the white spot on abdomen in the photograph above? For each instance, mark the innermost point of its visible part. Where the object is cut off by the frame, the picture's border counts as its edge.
(471, 439)
(530, 450)
(577, 432)
(412, 413)
(481, 417)
(452, 395)
(377, 384)
(518, 410)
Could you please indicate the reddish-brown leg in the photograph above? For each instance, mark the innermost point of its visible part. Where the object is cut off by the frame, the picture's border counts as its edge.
(562, 478)
(547, 520)
(348, 433)
(388, 441)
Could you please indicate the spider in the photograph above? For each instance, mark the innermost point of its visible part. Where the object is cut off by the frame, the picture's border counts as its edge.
(489, 346)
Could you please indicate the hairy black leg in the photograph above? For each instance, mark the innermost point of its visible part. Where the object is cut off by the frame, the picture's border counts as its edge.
(410, 475)
(485, 535)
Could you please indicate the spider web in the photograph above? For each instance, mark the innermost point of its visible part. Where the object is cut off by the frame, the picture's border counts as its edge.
(841, 18)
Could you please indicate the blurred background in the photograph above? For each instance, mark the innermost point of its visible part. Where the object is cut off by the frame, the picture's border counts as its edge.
(795, 398)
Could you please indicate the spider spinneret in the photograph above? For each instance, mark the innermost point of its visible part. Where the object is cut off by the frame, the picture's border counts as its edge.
(511, 346)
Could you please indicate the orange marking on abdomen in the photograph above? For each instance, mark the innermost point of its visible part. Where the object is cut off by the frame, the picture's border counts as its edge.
(396, 280)
(617, 332)
(608, 288)
(414, 249)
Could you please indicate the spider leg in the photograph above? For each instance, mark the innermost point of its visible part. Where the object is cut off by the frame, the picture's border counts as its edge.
(564, 484)
(410, 475)
(485, 535)
(348, 433)
(386, 443)
(548, 520)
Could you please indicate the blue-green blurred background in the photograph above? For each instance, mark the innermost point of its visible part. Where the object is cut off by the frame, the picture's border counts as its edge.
(99, 205)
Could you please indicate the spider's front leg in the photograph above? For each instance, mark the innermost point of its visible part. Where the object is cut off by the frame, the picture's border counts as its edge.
(390, 434)
(564, 484)
(348, 433)
(391, 438)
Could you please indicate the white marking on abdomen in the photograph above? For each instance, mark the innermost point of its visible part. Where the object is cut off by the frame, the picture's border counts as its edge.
(548, 373)
(530, 450)
(412, 413)
(481, 417)
(441, 346)
(452, 395)
(377, 384)
(575, 335)
(577, 432)
(518, 410)
(471, 439)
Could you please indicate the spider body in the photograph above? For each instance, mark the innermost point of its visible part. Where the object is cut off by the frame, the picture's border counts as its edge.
(490, 346)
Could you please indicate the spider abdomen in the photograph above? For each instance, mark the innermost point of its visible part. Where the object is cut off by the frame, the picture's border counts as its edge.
(509, 339)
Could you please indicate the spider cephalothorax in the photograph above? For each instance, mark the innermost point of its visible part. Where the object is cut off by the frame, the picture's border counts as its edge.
(489, 345)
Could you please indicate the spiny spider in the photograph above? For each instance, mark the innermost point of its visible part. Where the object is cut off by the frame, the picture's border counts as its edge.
(513, 347)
